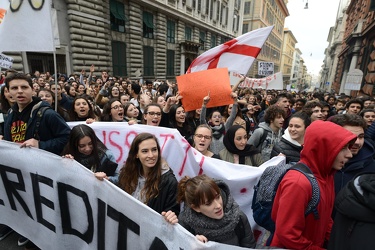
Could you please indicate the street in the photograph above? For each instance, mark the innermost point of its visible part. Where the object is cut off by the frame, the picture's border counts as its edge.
(10, 242)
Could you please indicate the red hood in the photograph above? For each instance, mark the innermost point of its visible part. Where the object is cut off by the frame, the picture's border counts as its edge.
(323, 141)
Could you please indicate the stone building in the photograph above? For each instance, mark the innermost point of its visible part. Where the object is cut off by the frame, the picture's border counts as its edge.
(287, 60)
(358, 48)
(262, 13)
(334, 39)
(134, 38)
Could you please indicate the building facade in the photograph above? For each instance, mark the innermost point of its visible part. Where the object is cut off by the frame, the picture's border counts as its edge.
(138, 39)
(262, 13)
(289, 46)
(358, 48)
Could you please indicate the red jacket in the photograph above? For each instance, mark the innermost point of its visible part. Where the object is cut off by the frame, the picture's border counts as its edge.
(294, 230)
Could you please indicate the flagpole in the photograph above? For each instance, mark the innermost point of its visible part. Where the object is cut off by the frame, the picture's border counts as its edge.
(55, 69)
(54, 56)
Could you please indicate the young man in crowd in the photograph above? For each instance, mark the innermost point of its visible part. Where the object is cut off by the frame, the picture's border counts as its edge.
(354, 106)
(326, 150)
(46, 130)
(269, 132)
(362, 150)
(314, 110)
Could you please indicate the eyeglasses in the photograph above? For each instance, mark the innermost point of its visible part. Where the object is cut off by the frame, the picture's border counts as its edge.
(158, 114)
(200, 136)
(117, 107)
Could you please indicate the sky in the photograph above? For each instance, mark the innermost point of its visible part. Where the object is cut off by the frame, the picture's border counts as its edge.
(311, 27)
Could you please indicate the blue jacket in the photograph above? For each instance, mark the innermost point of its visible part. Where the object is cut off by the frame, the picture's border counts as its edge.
(360, 163)
(53, 130)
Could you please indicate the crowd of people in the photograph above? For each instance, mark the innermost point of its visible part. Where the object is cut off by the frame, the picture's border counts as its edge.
(331, 134)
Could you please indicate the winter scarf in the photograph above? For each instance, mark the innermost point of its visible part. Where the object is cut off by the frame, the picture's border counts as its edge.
(214, 230)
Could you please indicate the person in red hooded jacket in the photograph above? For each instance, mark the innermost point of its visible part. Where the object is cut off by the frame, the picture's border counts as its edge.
(326, 150)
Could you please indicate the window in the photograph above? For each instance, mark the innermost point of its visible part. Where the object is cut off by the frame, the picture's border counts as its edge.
(148, 25)
(246, 10)
(188, 33)
(119, 58)
(245, 28)
(202, 39)
(213, 41)
(148, 61)
(170, 31)
(217, 10)
(170, 63)
(117, 16)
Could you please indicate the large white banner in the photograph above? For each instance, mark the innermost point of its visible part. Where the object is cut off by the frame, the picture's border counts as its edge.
(59, 204)
(274, 81)
(26, 26)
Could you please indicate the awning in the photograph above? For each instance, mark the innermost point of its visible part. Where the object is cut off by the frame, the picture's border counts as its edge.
(117, 10)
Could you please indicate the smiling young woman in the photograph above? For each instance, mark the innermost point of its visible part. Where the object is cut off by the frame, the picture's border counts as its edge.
(147, 177)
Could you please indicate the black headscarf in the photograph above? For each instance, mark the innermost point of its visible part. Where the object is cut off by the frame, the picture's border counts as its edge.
(231, 147)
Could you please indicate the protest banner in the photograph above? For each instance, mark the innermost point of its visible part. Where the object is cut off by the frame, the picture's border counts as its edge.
(6, 62)
(26, 16)
(274, 81)
(194, 86)
(265, 68)
(59, 204)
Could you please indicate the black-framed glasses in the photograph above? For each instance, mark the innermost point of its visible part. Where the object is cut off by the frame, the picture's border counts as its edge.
(200, 136)
(117, 107)
(158, 114)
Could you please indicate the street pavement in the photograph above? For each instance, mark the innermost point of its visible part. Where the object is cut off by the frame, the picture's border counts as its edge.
(10, 242)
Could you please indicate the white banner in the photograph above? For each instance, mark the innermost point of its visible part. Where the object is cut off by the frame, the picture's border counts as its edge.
(59, 204)
(274, 81)
(6, 62)
(354, 80)
(26, 26)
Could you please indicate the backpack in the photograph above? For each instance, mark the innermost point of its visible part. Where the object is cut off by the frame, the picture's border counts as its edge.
(39, 115)
(262, 139)
(265, 192)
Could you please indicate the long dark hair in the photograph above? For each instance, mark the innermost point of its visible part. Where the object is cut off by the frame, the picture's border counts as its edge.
(106, 113)
(129, 174)
(4, 104)
(73, 115)
(76, 134)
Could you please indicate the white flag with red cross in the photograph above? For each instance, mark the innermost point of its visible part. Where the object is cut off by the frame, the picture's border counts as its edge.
(237, 54)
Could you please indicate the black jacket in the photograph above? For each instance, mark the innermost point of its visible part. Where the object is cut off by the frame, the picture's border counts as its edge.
(290, 150)
(360, 163)
(354, 224)
(167, 198)
(53, 130)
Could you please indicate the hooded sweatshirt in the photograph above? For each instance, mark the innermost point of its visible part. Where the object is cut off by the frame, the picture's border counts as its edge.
(354, 224)
(266, 146)
(294, 230)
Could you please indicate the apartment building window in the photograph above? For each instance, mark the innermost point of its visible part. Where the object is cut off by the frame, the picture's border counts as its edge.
(148, 24)
(171, 31)
(117, 16)
(170, 62)
(119, 58)
(246, 9)
(199, 5)
(245, 28)
(202, 39)
(207, 6)
(188, 34)
(221, 13)
(211, 8)
(213, 41)
(148, 61)
(217, 10)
